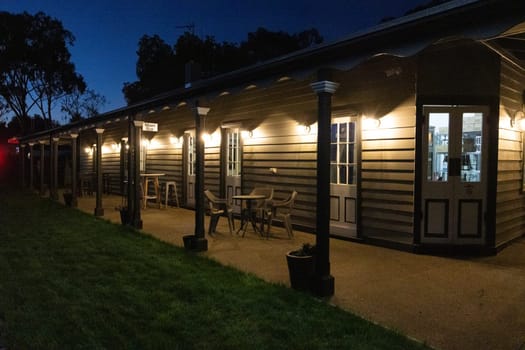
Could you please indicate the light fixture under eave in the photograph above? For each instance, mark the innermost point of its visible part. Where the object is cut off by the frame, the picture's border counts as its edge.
(371, 123)
(518, 121)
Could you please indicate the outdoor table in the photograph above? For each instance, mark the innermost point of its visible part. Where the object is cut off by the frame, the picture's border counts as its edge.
(246, 214)
(154, 177)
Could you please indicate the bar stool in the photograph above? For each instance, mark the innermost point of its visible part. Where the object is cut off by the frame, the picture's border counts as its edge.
(167, 186)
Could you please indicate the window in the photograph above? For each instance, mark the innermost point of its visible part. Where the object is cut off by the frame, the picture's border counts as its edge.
(342, 153)
(192, 155)
(234, 162)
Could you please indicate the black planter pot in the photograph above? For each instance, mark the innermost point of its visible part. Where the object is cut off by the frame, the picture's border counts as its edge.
(301, 269)
(68, 199)
(124, 217)
(189, 242)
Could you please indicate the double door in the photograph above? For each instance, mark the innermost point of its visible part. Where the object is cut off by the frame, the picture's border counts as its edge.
(454, 174)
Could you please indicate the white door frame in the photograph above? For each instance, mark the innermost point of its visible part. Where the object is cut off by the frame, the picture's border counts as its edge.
(454, 174)
(189, 166)
(343, 191)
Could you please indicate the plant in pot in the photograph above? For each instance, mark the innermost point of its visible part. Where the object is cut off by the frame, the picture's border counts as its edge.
(68, 198)
(124, 214)
(301, 265)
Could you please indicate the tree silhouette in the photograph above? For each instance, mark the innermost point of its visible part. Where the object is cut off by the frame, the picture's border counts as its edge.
(35, 67)
(161, 67)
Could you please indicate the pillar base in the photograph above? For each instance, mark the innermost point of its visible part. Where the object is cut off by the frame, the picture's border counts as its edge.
(195, 244)
(323, 286)
(99, 211)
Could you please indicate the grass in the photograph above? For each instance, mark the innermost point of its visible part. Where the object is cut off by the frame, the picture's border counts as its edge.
(71, 281)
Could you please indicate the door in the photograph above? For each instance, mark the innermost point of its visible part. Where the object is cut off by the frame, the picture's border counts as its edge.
(343, 172)
(233, 154)
(190, 154)
(454, 174)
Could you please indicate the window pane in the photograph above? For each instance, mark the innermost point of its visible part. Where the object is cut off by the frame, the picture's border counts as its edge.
(351, 154)
(351, 132)
(342, 153)
(351, 174)
(471, 142)
(333, 133)
(333, 153)
(343, 132)
(333, 174)
(342, 174)
(438, 126)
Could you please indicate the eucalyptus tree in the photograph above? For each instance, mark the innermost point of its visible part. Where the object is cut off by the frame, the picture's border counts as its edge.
(36, 71)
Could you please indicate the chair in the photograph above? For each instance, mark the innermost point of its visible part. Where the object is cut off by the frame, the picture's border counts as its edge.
(262, 206)
(218, 207)
(282, 209)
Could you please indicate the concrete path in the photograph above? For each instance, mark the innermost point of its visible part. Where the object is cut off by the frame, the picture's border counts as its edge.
(449, 303)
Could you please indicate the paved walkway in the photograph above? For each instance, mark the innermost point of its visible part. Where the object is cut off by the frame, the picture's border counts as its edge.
(471, 303)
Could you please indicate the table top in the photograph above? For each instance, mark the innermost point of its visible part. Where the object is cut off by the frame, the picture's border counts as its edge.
(154, 174)
(249, 196)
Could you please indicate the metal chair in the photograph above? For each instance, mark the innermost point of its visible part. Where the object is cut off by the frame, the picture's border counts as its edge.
(218, 207)
(282, 209)
(262, 206)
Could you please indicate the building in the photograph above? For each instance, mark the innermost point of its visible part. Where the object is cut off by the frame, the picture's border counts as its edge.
(406, 135)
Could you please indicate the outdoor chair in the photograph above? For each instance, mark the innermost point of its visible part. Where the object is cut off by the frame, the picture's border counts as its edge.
(283, 210)
(218, 207)
(261, 206)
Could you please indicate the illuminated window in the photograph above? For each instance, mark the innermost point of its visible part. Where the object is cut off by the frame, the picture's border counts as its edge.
(234, 162)
(342, 153)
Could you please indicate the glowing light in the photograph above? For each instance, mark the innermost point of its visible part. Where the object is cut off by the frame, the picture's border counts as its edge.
(371, 123)
(303, 129)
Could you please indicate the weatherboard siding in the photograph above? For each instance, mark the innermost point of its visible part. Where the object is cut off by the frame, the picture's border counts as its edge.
(510, 201)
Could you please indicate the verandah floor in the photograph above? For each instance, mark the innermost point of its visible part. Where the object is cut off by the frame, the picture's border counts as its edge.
(474, 303)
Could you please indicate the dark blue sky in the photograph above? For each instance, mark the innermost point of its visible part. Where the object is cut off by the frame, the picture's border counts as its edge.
(107, 31)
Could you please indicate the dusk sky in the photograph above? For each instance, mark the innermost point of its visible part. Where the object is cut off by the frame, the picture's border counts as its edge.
(107, 31)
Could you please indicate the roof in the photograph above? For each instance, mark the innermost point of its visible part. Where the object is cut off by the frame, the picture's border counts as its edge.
(500, 24)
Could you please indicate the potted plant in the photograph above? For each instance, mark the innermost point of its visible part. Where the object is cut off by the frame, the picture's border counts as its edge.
(301, 265)
(68, 199)
(124, 214)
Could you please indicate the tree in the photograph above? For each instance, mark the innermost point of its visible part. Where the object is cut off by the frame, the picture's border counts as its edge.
(78, 105)
(35, 67)
(161, 68)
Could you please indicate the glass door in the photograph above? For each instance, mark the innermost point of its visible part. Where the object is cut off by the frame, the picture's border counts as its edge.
(454, 174)
(190, 154)
(233, 166)
(343, 171)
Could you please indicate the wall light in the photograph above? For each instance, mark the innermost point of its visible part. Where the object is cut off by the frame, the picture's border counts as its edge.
(371, 122)
(304, 129)
(247, 134)
(518, 121)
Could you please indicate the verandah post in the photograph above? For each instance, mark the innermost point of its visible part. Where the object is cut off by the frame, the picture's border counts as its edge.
(323, 280)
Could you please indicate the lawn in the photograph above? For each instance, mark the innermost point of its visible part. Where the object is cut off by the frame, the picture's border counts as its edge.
(71, 281)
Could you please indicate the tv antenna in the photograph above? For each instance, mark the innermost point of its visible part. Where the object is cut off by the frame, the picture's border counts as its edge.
(189, 27)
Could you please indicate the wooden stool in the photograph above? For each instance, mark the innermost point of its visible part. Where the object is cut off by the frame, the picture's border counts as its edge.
(167, 186)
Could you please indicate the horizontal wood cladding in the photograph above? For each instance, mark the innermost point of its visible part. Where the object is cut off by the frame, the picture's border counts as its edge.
(387, 173)
(510, 201)
(276, 144)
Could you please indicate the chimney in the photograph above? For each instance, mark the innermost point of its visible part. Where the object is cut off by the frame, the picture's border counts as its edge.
(192, 74)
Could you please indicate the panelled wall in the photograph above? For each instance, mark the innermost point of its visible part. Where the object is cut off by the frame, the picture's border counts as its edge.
(510, 208)
(384, 89)
(273, 115)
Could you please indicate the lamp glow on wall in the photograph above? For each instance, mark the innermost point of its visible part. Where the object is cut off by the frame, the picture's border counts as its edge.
(518, 121)
(213, 140)
(176, 141)
(371, 122)
(246, 134)
(304, 129)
